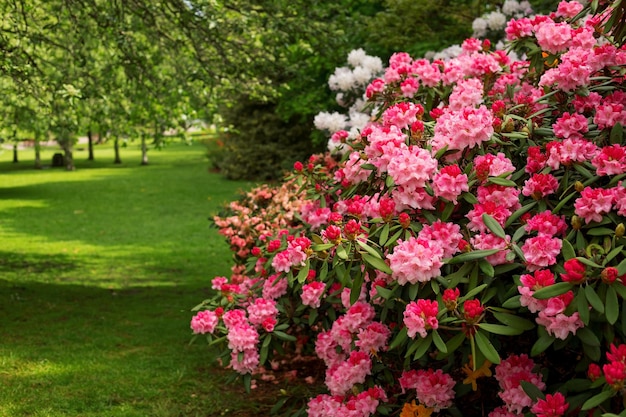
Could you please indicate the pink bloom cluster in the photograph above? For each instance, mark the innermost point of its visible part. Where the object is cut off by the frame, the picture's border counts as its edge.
(434, 388)
(509, 374)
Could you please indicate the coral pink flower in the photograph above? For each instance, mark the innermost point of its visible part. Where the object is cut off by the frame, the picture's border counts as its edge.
(574, 271)
(518, 28)
(416, 260)
(536, 160)
(509, 374)
(248, 363)
(530, 284)
(312, 294)
(341, 378)
(540, 185)
(402, 114)
(547, 223)
(593, 203)
(568, 9)
(204, 322)
(463, 129)
(560, 325)
(260, 310)
(541, 251)
(553, 405)
(449, 234)
(420, 316)
(615, 373)
(449, 183)
(435, 389)
(611, 160)
(476, 223)
(570, 126)
(553, 37)
(487, 241)
(373, 338)
(490, 165)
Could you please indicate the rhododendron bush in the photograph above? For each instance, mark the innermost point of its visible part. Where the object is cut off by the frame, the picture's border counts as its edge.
(461, 252)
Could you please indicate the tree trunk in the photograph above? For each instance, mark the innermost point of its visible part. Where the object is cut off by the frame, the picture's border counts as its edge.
(144, 150)
(90, 144)
(15, 158)
(37, 153)
(69, 158)
(116, 147)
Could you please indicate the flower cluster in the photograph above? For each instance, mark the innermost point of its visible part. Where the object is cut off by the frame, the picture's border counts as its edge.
(475, 218)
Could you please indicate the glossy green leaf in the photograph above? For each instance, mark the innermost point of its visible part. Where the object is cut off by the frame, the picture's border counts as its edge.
(486, 348)
(611, 305)
(500, 329)
(472, 256)
(587, 336)
(400, 339)
(513, 320)
(552, 290)
(376, 263)
(568, 250)
(493, 225)
(594, 299)
(541, 344)
(439, 343)
(423, 346)
(598, 399)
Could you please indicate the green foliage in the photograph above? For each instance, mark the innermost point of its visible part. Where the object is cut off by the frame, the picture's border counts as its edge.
(263, 145)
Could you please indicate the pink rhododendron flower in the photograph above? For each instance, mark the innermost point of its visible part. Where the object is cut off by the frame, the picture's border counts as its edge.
(204, 322)
(547, 223)
(475, 216)
(248, 363)
(574, 271)
(570, 126)
(341, 378)
(449, 183)
(539, 186)
(312, 294)
(402, 114)
(416, 260)
(488, 241)
(531, 283)
(615, 373)
(434, 388)
(536, 160)
(568, 9)
(541, 251)
(463, 129)
(553, 37)
(420, 316)
(611, 160)
(500, 195)
(260, 310)
(411, 166)
(490, 165)
(373, 338)
(553, 405)
(509, 374)
(449, 234)
(593, 203)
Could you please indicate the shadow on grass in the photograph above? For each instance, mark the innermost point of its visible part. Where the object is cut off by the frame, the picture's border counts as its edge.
(78, 350)
(31, 263)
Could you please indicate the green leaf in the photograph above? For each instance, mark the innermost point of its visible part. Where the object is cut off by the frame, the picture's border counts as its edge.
(594, 299)
(588, 337)
(322, 247)
(384, 234)
(621, 268)
(583, 307)
(513, 320)
(513, 302)
(501, 181)
(542, 343)
(609, 257)
(617, 134)
(612, 305)
(355, 290)
(598, 399)
(284, 336)
(600, 231)
(552, 290)
(494, 226)
(568, 250)
(500, 329)
(470, 294)
(485, 346)
(384, 292)
(400, 339)
(439, 343)
(453, 344)
(472, 256)
(519, 212)
(532, 391)
(265, 349)
(424, 344)
(486, 267)
(304, 273)
(369, 249)
(588, 262)
(376, 263)
(341, 252)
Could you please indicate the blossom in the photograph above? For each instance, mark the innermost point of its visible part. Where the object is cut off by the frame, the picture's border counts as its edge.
(541, 251)
(509, 374)
(611, 160)
(552, 406)
(570, 126)
(540, 185)
(434, 388)
(449, 183)
(593, 203)
(416, 260)
(204, 321)
(574, 271)
(546, 223)
(531, 283)
(312, 294)
(373, 338)
(420, 316)
(260, 310)
(553, 37)
(341, 378)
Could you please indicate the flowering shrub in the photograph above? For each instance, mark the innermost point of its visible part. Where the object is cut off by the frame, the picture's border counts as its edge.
(466, 254)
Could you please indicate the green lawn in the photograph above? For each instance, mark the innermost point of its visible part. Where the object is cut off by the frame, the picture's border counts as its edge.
(98, 271)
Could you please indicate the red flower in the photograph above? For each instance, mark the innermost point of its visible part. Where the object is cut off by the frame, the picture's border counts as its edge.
(552, 406)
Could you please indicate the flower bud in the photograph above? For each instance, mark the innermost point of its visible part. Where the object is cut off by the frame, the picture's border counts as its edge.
(619, 230)
(405, 220)
(579, 186)
(298, 166)
(576, 223)
(609, 275)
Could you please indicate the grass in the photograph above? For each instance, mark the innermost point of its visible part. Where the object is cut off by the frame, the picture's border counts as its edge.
(98, 271)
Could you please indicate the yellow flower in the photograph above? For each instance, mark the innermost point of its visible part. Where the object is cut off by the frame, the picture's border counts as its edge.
(413, 410)
(473, 375)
